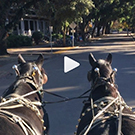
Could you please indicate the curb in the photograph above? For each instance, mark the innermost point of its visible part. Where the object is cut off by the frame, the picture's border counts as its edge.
(65, 49)
(36, 51)
(131, 35)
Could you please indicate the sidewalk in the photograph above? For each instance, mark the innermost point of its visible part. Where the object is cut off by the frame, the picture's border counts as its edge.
(47, 51)
(39, 49)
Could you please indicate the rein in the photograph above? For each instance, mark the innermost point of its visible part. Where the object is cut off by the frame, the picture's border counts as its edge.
(65, 99)
(19, 97)
(118, 101)
(96, 116)
(44, 102)
(21, 100)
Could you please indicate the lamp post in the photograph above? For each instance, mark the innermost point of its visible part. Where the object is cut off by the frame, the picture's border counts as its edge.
(51, 30)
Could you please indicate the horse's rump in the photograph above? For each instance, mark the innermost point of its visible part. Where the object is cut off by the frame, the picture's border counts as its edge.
(128, 124)
(104, 125)
(107, 126)
(7, 127)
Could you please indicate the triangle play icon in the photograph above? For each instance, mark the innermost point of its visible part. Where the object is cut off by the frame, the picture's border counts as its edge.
(70, 64)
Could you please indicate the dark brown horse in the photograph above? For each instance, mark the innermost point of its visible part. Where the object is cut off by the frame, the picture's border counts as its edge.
(105, 112)
(21, 110)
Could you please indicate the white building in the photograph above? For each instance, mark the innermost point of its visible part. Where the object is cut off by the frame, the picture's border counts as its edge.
(32, 23)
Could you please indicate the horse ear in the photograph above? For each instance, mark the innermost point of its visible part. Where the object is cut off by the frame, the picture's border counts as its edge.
(40, 60)
(21, 59)
(109, 58)
(92, 60)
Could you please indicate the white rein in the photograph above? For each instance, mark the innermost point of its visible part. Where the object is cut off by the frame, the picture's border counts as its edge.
(22, 96)
(118, 99)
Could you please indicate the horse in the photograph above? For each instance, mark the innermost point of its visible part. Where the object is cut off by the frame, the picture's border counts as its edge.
(21, 109)
(105, 111)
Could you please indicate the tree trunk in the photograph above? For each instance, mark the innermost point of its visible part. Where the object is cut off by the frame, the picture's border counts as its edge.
(81, 25)
(82, 28)
(95, 26)
(64, 35)
(93, 31)
(3, 49)
(98, 31)
(103, 30)
(83, 34)
(3, 45)
(64, 39)
(107, 28)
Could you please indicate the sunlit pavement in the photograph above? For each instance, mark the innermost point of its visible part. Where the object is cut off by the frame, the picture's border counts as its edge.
(111, 45)
(64, 116)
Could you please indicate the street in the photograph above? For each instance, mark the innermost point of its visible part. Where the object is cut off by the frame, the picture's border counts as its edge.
(64, 116)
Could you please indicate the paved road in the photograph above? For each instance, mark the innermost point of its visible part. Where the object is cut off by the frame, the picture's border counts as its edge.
(64, 116)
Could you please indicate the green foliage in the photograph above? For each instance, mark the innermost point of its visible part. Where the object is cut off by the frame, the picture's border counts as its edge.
(84, 7)
(61, 12)
(106, 11)
(57, 36)
(14, 41)
(16, 9)
(37, 36)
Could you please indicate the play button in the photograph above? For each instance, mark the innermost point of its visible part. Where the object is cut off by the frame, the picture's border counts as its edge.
(70, 64)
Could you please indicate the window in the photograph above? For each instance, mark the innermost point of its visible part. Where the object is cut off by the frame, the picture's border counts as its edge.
(26, 25)
(31, 25)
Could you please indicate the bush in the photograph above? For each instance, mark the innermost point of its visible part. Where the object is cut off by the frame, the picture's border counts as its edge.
(14, 41)
(37, 36)
(57, 36)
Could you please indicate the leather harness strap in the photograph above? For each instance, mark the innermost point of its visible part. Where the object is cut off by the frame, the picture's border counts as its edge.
(18, 120)
(97, 119)
(20, 101)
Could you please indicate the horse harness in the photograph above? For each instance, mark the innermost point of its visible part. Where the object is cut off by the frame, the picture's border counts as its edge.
(14, 101)
(104, 108)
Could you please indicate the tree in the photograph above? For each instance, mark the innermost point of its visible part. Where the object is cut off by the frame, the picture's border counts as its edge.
(62, 13)
(129, 19)
(107, 11)
(11, 13)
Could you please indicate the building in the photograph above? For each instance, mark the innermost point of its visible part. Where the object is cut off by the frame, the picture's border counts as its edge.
(32, 23)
